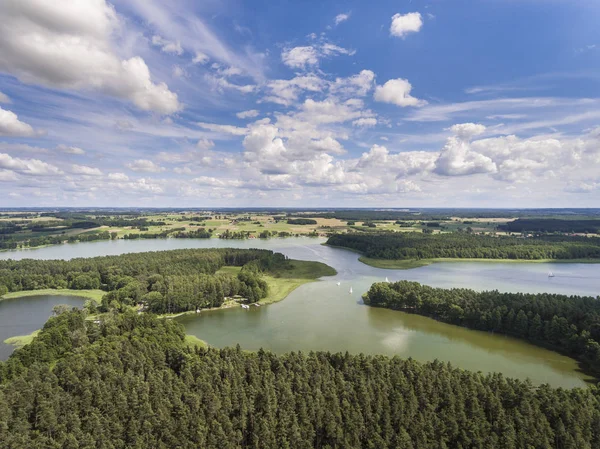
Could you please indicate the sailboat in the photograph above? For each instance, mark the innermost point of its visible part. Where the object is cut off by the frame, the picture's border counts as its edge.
(350, 290)
(339, 283)
(550, 274)
(386, 279)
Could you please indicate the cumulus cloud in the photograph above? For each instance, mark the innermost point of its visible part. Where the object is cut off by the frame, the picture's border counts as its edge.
(11, 126)
(300, 57)
(308, 56)
(457, 157)
(365, 122)
(200, 58)
(285, 92)
(205, 144)
(356, 85)
(33, 167)
(405, 24)
(247, 114)
(121, 177)
(397, 91)
(167, 46)
(85, 170)
(69, 45)
(69, 149)
(144, 165)
(341, 18)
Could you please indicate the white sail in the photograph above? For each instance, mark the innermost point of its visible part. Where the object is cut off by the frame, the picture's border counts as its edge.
(550, 274)
(339, 283)
(350, 290)
(386, 279)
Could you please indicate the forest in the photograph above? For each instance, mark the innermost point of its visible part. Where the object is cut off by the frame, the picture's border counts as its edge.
(414, 245)
(552, 225)
(301, 221)
(567, 324)
(132, 382)
(166, 281)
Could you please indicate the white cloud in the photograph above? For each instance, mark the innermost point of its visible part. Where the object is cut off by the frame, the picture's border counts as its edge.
(33, 167)
(85, 170)
(69, 45)
(167, 46)
(405, 24)
(300, 57)
(247, 114)
(11, 126)
(341, 18)
(8, 176)
(397, 91)
(225, 129)
(221, 84)
(178, 71)
(285, 92)
(144, 165)
(328, 49)
(4, 98)
(308, 57)
(69, 149)
(200, 58)
(205, 144)
(466, 131)
(365, 122)
(457, 157)
(121, 177)
(356, 85)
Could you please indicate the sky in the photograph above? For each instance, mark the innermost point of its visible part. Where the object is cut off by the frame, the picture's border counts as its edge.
(232, 103)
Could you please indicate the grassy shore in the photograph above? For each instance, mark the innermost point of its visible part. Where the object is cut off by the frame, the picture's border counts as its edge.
(192, 340)
(21, 340)
(284, 281)
(96, 295)
(415, 263)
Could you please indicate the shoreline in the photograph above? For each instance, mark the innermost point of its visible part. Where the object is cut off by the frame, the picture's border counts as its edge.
(96, 295)
(402, 264)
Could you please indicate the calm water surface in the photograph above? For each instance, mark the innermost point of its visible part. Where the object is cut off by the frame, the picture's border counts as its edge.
(22, 316)
(325, 316)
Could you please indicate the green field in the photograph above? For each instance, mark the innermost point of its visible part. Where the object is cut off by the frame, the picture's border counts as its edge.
(21, 340)
(96, 295)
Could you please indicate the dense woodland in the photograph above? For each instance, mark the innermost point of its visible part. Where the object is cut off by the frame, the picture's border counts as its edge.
(552, 225)
(131, 382)
(569, 324)
(414, 245)
(301, 221)
(166, 281)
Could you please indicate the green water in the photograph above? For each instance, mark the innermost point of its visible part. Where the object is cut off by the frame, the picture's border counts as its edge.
(325, 316)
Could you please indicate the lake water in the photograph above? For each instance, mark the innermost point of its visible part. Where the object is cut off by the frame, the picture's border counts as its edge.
(22, 316)
(325, 316)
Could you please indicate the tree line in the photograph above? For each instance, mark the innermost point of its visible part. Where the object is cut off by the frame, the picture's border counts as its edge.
(568, 324)
(552, 225)
(414, 245)
(131, 382)
(166, 281)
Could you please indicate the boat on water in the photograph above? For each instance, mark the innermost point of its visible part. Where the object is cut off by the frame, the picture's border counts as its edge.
(245, 306)
(339, 283)
(386, 279)
(550, 274)
(350, 290)
(257, 304)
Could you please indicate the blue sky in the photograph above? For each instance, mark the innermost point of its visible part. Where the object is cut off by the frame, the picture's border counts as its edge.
(489, 103)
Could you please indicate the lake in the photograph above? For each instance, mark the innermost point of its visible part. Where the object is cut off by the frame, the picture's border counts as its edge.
(325, 316)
